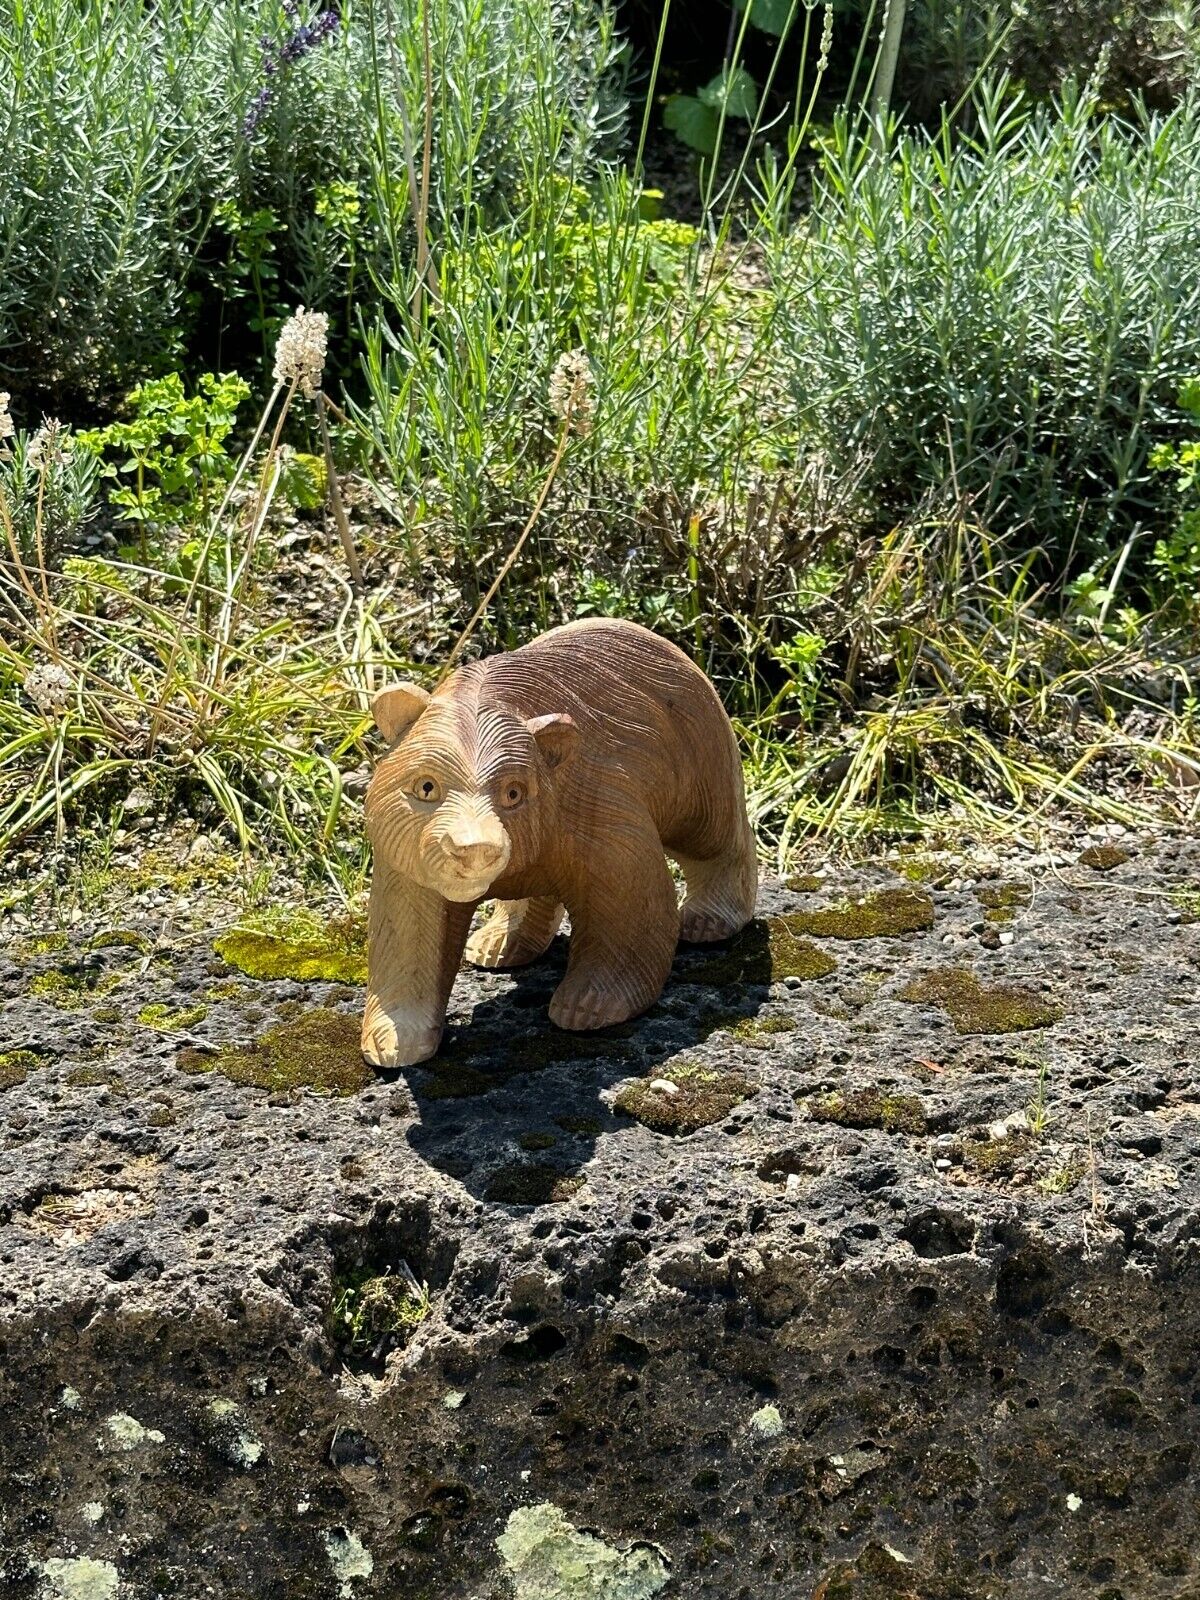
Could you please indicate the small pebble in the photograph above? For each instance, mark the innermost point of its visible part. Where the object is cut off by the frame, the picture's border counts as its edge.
(1007, 936)
(664, 1086)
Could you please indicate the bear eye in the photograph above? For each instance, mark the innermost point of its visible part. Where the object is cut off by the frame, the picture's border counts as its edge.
(427, 789)
(512, 795)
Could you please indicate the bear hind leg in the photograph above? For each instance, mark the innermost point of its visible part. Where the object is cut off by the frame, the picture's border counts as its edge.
(720, 893)
(516, 933)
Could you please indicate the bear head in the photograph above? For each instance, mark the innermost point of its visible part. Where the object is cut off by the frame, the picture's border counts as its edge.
(466, 793)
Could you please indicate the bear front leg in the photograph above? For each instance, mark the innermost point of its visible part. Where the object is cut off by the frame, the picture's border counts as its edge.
(516, 933)
(624, 930)
(415, 942)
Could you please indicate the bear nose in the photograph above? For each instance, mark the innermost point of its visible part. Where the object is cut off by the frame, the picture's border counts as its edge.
(475, 857)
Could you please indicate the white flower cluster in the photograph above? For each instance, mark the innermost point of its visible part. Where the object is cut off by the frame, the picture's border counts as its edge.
(6, 422)
(50, 688)
(48, 445)
(570, 391)
(826, 38)
(300, 353)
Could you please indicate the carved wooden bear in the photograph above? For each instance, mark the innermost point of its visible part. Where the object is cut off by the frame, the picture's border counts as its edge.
(559, 775)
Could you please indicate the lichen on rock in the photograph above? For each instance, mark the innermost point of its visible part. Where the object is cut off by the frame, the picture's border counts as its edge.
(549, 1559)
(80, 1578)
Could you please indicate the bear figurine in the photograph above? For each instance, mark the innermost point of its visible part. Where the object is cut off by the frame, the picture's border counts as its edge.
(556, 777)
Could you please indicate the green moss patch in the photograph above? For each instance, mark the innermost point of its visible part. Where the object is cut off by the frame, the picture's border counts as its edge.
(16, 1065)
(885, 914)
(227, 989)
(804, 882)
(1002, 901)
(998, 1158)
(532, 1183)
(169, 1019)
(87, 1077)
(1104, 857)
(376, 1312)
(870, 1108)
(537, 1141)
(977, 1007)
(119, 939)
(586, 1127)
(766, 952)
(703, 1096)
(296, 944)
(73, 988)
(756, 1033)
(44, 944)
(318, 1051)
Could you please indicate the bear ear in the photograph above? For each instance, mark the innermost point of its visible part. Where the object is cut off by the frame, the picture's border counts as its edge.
(397, 707)
(556, 736)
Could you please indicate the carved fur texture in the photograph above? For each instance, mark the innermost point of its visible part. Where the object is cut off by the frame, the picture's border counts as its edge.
(557, 777)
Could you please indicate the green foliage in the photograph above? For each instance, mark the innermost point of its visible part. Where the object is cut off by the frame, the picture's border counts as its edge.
(135, 208)
(49, 489)
(1128, 48)
(1011, 314)
(168, 458)
(460, 411)
(697, 119)
(1176, 559)
(771, 16)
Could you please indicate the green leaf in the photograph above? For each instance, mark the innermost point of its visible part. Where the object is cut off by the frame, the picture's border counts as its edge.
(695, 124)
(770, 15)
(736, 90)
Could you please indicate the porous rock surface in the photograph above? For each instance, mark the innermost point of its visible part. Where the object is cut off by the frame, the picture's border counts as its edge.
(915, 1318)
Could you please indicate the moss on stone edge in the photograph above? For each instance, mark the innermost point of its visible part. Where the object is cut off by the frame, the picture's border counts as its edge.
(90, 1077)
(1104, 857)
(296, 944)
(704, 1096)
(170, 1020)
(756, 1033)
(766, 952)
(376, 1311)
(976, 1007)
(885, 914)
(804, 882)
(870, 1108)
(318, 1051)
(119, 938)
(532, 1183)
(72, 990)
(1001, 901)
(537, 1141)
(15, 1066)
(998, 1158)
(583, 1127)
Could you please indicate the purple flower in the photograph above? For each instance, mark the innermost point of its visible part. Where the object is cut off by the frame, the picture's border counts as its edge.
(303, 38)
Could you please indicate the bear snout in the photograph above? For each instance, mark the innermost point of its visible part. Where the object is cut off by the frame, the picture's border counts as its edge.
(474, 855)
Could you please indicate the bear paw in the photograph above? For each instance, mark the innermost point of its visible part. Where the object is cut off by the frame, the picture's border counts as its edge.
(396, 1042)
